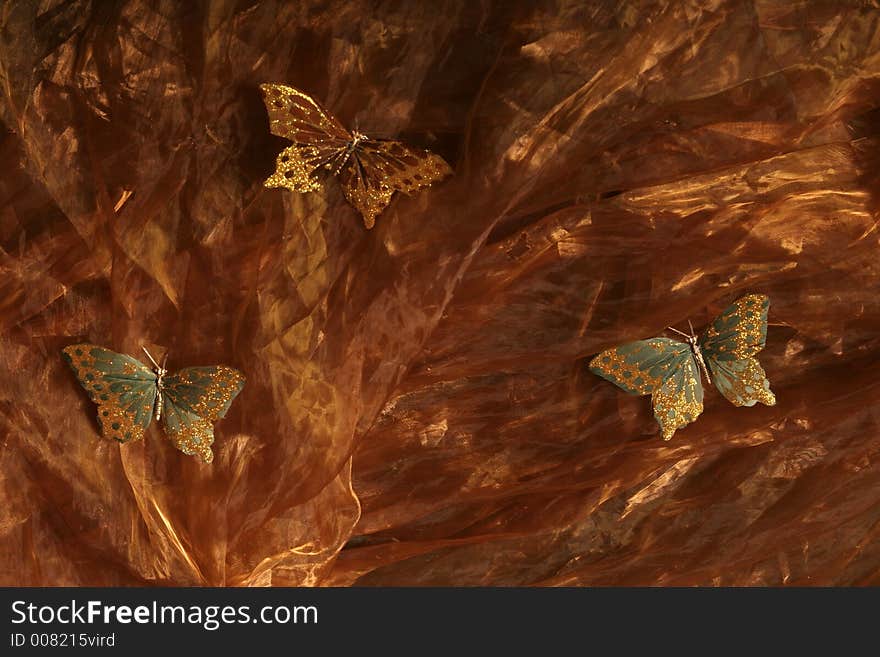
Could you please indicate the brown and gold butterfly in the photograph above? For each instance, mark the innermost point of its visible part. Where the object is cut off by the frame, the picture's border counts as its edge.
(370, 170)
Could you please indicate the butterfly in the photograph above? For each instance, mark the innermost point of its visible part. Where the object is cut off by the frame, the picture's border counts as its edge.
(370, 170)
(129, 394)
(670, 370)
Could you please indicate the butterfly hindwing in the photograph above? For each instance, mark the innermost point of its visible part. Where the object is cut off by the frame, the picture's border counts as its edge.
(191, 434)
(729, 347)
(742, 381)
(296, 168)
(123, 388)
(194, 397)
(679, 400)
(661, 367)
(740, 331)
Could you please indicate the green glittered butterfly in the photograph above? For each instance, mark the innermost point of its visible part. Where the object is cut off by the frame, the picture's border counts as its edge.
(129, 394)
(669, 370)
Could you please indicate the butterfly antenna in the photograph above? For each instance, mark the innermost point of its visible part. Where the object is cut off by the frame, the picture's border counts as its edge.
(691, 326)
(675, 330)
(150, 356)
(164, 360)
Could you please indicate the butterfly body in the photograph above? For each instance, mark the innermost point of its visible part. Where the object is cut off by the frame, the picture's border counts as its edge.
(694, 343)
(129, 394)
(700, 360)
(160, 387)
(369, 170)
(670, 370)
(350, 148)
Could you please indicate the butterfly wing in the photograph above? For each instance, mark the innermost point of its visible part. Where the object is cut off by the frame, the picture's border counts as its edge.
(661, 367)
(729, 347)
(318, 138)
(194, 398)
(191, 434)
(378, 168)
(123, 388)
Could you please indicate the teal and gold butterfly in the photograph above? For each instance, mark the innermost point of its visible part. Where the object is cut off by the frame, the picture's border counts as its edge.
(669, 370)
(129, 394)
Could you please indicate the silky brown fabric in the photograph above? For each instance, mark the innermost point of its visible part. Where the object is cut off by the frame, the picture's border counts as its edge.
(418, 408)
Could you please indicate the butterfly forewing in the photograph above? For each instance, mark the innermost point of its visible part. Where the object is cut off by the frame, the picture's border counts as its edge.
(123, 388)
(299, 118)
(661, 367)
(639, 367)
(729, 347)
(205, 391)
(740, 331)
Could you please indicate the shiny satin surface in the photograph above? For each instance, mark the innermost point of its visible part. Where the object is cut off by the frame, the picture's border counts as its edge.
(418, 407)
